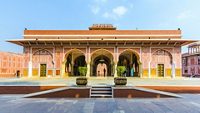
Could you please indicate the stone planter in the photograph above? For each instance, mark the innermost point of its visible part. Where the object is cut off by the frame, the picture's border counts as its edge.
(120, 81)
(81, 81)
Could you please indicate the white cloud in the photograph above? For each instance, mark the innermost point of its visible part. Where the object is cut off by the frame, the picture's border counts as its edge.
(95, 9)
(97, 6)
(116, 12)
(120, 10)
(184, 15)
(109, 15)
(106, 15)
(131, 6)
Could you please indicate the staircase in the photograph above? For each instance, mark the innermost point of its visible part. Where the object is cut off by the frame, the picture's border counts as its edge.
(101, 92)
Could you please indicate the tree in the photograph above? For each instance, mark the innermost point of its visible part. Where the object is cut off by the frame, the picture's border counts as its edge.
(82, 70)
(120, 70)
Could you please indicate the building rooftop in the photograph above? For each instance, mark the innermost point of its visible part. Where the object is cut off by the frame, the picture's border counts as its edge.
(102, 31)
(102, 34)
(194, 44)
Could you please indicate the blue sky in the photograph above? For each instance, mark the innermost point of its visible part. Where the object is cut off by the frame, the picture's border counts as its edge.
(15, 15)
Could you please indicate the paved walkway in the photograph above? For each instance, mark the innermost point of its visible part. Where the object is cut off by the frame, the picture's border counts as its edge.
(96, 81)
(190, 103)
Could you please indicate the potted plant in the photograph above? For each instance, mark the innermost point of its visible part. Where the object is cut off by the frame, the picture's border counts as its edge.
(120, 80)
(82, 81)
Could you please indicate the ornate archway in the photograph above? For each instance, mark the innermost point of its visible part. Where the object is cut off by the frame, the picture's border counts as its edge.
(162, 62)
(73, 59)
(130, 60)
(102, 63)
(43, 64)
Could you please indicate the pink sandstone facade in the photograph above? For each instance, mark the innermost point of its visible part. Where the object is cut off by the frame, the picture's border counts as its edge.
(10, 63)
(145, 53)
(191, 61)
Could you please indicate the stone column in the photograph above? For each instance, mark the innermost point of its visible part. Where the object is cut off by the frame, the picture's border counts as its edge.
(30, 68)
(173, 70)
(88, 69)
(63, 69)
(115, 75)
(88, 60)
(116, 57)
(53, 62)
(188, 50)
(149, 73)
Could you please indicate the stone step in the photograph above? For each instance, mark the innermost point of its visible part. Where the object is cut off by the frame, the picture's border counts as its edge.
(101, 89)
(101, 92)
(101, 86)
(101, 96)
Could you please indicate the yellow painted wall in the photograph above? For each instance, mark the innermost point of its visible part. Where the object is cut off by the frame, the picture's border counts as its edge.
(25, 72)
(168, 72)
(145, 73)
(153, 72)
(35, 72)
(178, 72)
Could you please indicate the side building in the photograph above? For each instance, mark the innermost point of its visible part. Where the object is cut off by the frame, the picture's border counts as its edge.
(191, 61)
(10, 63)
(102, 48)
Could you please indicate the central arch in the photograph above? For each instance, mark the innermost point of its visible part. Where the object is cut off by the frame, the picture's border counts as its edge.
(102, 63)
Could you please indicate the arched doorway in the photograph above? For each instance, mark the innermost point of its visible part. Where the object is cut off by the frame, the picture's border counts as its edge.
(130, 60)
(163, 63)
(44, 59)
(79, 61)
(102, 64)
(73, 60)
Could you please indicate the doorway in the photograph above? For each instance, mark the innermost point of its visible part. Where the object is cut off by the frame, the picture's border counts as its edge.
(130, 60)
(101, 67)
(43, 68)
(101, 70)
(160, 70)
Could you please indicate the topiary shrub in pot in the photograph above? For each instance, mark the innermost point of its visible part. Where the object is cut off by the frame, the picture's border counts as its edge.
(82, 81)
(120, 80)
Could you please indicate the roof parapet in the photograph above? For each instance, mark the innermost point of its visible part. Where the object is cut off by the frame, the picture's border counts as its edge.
(102, 27)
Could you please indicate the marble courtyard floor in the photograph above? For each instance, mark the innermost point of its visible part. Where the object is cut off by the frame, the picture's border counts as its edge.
(71, 81)
(190, 103)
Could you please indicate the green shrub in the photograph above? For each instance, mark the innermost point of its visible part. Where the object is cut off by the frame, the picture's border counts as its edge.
(120, 70)
(82, 71)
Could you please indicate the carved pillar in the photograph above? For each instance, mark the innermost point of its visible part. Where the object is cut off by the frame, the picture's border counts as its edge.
(116, 60)
(30, 63)
(88, 69)
(149, 73)
(88, 60)
(173, 70)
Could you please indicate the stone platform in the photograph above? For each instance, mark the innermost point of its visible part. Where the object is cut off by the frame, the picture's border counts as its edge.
(31, 85)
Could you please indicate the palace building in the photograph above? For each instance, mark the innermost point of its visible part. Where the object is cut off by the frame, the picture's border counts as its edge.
(191, 61)
(144, 53)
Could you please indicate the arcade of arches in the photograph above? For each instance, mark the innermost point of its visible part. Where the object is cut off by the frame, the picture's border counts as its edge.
(103, 63)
